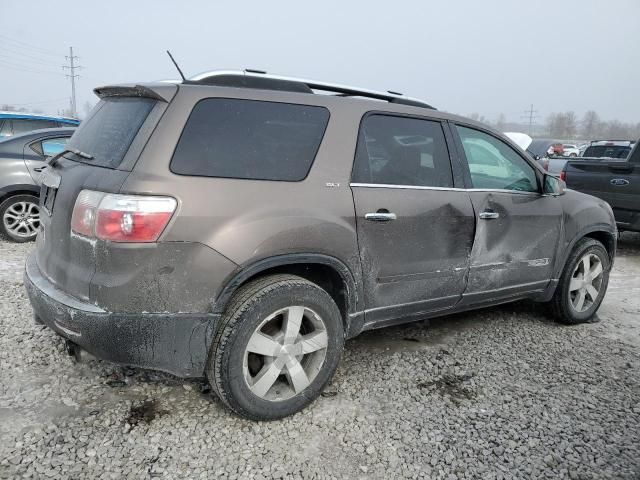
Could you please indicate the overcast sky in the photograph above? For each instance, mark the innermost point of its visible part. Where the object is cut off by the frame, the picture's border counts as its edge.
(485, 56)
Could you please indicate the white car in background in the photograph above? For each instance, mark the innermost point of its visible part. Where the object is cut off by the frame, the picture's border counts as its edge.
(570, 150)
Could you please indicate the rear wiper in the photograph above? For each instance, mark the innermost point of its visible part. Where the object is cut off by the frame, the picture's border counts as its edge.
(80, 153)
(52, 161)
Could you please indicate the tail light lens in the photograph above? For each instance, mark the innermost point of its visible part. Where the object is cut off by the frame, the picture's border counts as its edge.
(121, 218)
(563, 176)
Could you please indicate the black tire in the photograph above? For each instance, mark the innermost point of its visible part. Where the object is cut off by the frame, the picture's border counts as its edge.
(4, 206)
(249, 306)
(561, 306)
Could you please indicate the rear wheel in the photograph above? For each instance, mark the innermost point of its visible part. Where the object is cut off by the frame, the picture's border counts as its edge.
(20, 218)
(277, 346)
(583, 283)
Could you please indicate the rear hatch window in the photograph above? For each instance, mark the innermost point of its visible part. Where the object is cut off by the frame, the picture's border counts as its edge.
(250, 139)
(107, 134)
(609, 151)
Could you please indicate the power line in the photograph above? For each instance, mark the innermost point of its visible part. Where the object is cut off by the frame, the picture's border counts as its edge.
(72, 67)
(34, 48)
(531, 116)
(23, 68)
(24, 62)
(22, 57)
(40, 102)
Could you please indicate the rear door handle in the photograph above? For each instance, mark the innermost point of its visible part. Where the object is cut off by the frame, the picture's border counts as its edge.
(380, 216)
(39, 169)
(489, 215)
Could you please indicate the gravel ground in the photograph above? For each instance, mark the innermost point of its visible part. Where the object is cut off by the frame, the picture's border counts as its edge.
(499, 393)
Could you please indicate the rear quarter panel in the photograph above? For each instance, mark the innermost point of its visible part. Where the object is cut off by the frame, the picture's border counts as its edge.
(14, 176)
(249, 220)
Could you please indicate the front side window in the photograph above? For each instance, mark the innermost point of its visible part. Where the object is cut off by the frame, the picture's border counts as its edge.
(402, 151)
(495, 165)
(250, 139)
(5, 128)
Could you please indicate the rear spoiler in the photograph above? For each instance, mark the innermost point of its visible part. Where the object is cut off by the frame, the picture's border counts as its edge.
(163, 92)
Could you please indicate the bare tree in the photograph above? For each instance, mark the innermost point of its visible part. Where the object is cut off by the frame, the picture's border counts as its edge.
(571, 127)
(501, 123)
(590, 124)
(87, 107)
(478, 118)
(562, 125)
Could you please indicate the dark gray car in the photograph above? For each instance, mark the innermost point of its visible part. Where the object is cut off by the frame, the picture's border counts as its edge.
(240, 226)
(22, 157)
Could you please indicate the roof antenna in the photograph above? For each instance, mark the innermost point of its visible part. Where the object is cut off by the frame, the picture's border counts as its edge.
(177, 67)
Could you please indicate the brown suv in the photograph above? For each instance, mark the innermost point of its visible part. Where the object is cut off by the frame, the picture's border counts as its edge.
(241, 226)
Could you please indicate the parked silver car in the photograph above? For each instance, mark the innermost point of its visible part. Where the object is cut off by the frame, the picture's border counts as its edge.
(22, 157)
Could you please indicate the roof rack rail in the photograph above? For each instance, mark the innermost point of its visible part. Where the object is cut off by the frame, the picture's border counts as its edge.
(259, 79)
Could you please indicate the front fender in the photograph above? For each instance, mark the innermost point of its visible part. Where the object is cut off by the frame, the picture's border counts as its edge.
(584, 215)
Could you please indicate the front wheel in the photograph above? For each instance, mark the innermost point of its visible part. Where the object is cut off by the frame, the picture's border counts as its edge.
(19, 218)
(277, 346)
(583, 283)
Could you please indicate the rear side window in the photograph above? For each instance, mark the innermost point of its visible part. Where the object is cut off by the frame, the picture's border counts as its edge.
(402, 151)
(250, 139)
(109, 131)
(49, 146)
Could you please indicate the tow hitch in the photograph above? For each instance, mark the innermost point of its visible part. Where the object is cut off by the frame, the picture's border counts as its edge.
(75, 351)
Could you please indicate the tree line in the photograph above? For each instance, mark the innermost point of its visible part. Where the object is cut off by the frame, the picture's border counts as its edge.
(567, 126)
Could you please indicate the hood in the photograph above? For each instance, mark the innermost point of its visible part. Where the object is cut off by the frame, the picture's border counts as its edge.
(521, 139)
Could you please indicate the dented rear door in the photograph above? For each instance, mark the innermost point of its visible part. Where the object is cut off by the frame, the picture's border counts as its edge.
(415, 230)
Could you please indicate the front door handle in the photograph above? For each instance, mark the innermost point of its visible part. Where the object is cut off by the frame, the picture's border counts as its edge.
(39, 169)
(380, 216)
(489, 215)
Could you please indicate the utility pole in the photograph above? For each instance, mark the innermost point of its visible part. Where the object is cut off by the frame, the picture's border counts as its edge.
(72, 67)
(530, 114)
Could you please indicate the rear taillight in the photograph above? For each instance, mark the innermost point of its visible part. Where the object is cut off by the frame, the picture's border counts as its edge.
(563, 176)
(121, 218)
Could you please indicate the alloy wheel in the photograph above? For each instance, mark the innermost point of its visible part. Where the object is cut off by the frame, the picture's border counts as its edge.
(586, 282)
(22, 219)
(285, 353)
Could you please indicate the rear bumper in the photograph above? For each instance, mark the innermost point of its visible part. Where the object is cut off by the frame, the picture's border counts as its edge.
(177, 343)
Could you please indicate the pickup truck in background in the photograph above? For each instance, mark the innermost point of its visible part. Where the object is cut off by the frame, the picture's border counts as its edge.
(609, 149)
(615, 180)
(597, 150)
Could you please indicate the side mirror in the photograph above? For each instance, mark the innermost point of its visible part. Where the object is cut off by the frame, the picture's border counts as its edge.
(553, 185)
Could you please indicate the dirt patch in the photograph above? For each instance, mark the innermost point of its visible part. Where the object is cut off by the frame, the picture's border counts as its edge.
(454, 386)
(144, 412)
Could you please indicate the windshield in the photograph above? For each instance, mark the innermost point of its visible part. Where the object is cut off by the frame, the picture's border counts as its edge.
(108, 132)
